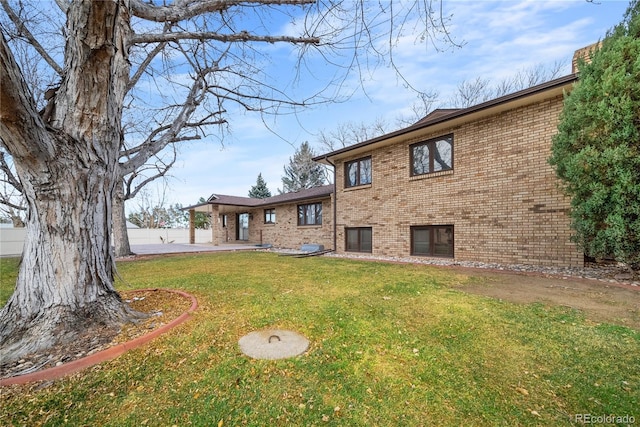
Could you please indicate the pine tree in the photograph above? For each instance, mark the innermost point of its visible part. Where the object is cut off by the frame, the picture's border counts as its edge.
(302, 172)
(202, 220)
(260, 190)
(597, 149)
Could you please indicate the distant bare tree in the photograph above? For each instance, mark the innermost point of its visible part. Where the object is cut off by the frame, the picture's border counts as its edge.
(528, 77)
(419, 109)
(480, 89)
(471, 92)
(12, 204)
(133, 182)
(349, 133)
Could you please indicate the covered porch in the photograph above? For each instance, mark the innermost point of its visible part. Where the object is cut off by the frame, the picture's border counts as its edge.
(229, 223)
(279, 220)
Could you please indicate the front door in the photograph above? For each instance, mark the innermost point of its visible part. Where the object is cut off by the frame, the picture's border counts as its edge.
(242, 222)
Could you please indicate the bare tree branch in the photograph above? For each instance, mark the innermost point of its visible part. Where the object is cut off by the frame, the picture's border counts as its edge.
(349, 133)
(241, 37)
(24, 31)
(161, 170)
(22, 130)
(11, 205)
(145, 63)
(10, 179)
(153, 146)
(184, 10)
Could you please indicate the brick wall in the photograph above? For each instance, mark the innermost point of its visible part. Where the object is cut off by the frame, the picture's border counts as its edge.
(502, 196)
(285, 233)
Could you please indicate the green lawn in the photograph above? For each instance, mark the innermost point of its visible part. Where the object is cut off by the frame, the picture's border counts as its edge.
(391, 345)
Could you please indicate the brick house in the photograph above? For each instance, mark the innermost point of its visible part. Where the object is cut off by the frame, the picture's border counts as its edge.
(468, 184)
(471, 184)
(286, 220)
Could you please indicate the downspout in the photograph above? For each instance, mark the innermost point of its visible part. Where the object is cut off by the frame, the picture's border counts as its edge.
(335, 206)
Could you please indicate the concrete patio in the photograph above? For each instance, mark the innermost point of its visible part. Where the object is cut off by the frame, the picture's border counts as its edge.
(178, 248)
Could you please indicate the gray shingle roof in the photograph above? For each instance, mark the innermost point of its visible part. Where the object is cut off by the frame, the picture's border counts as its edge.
(305, 194)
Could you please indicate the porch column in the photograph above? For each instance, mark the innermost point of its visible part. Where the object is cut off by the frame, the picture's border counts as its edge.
(192, 226)
(213, 223)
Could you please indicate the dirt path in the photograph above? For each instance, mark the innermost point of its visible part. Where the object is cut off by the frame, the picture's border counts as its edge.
(599, 300)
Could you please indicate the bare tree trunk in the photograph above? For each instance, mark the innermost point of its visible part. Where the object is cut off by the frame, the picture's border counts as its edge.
(67, 163)
(65, 283)
(120, 232)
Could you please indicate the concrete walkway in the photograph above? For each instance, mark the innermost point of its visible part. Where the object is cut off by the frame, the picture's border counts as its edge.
(178, 248)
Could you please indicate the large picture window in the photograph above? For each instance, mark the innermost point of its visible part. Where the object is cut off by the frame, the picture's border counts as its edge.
(432, 240)
(358, 172)
(310, 214)
(358, 239)
(434, 155)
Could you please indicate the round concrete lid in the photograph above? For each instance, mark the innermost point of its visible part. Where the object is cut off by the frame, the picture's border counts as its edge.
(273, 344)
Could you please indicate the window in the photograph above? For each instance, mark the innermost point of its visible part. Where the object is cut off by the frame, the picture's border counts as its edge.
(432, 156)
(310, 214)
(358, 172)
(358, 239)
(432, 240)
(269, 216)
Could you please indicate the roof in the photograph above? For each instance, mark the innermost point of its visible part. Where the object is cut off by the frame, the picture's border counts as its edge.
(223, 199)
(453, 117)
(308, 193)
(250, 202)
(438, 112)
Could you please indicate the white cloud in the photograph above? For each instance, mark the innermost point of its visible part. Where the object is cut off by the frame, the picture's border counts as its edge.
(500, 39)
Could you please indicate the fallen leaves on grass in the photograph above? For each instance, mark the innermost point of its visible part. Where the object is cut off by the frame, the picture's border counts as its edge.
(161, 307)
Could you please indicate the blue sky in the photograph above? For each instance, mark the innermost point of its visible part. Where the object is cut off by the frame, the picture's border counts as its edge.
(500, 38)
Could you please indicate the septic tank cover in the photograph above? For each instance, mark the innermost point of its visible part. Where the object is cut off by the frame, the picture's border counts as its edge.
(273, 344)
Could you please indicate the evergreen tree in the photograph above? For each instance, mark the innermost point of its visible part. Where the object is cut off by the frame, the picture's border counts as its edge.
(597, 149)
(302, 172)
(260, 190)
(202, 220)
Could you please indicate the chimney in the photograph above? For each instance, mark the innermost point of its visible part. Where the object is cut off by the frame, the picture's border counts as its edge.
(585, 54)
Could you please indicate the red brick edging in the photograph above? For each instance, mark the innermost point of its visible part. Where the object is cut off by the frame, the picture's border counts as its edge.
(104, 355)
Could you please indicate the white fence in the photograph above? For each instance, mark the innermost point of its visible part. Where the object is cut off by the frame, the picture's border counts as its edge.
(12, 239)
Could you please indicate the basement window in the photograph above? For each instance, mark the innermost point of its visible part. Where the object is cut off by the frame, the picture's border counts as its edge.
(432, 240)
(358, 239)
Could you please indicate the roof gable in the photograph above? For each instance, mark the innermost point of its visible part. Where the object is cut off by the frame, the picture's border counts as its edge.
(438, 112)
